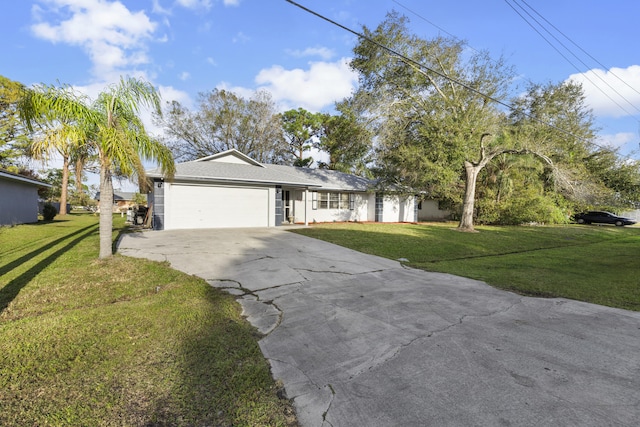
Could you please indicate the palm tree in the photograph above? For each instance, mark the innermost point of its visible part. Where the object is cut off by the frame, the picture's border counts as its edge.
(61, 138)
(112, 126)
(81, 157)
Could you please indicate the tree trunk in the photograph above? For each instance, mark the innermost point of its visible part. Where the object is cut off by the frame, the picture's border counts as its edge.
(466, 221)
(473, 169)
(65, 185)
(106, 211)
(78, 172)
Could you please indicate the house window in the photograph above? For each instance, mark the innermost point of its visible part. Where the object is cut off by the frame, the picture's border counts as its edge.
(334, 200)
(328, 200)
(324, 200)
(314, 200)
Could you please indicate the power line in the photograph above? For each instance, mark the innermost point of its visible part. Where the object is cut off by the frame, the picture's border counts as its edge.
(567, 59)
(526, 78)
(419, 67)
(581, 49)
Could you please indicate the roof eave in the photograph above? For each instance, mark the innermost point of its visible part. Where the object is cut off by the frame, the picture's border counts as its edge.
(17, 177)
(212, 179)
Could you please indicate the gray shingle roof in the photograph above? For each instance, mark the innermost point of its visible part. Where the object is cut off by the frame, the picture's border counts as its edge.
(212, 171)
(328, 179)
(118, 195)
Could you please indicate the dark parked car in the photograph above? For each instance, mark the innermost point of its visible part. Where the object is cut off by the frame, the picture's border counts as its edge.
(600, 217)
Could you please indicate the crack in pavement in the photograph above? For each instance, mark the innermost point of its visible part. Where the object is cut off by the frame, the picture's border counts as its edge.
(403, 346)
(326, 412)
(310, 270)
(304, 374)
(278, 286)
(318, 387)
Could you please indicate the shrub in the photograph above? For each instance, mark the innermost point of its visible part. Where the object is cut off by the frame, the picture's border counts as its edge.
(525, 208)
(49, 212)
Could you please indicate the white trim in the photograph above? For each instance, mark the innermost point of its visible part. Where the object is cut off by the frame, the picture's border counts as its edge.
(306, 216)
(232, 152)
(16, 177)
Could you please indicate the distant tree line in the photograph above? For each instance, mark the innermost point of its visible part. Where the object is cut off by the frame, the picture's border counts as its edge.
(427, 118)
(224, 120)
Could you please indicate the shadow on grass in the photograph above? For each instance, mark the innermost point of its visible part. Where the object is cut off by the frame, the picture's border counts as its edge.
(50, 221)
(12, 289)
(224, 379)
(125, 229)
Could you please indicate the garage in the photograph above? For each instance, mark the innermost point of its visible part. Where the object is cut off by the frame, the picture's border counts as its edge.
(200, 206)
(231, 190)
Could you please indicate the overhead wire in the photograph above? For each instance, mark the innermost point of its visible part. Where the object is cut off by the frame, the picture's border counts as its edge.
(585, 75)
(418, 66)
(581, 49)
(525, 78)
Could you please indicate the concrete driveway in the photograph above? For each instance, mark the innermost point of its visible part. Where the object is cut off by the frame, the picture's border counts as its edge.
(359, 340)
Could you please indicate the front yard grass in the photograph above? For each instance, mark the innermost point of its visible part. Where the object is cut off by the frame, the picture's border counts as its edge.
(121, 342)
(597, 264)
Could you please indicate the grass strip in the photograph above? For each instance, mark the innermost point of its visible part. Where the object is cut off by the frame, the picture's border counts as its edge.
(121, 342)
(596, 264)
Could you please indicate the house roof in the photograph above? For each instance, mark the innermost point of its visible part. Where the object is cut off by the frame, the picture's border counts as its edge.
(234, 167)
(21, 178)
(328, 179)
(118, 195)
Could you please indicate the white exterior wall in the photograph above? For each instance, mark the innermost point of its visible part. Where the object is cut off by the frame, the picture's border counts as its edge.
(398, 208)
(363, 210)
(431, 212)
(365, 207)
(18, 202)
(298, 205)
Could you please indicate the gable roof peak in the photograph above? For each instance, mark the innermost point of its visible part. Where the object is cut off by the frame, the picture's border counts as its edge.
(231, 156)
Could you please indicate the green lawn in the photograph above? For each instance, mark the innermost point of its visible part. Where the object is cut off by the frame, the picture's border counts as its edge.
(598, 264)
(122, 342)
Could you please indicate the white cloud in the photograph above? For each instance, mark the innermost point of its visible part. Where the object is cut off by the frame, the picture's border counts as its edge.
(241, 38)
(93, 90)
(314, 89)
(238, 90)
(322, 52)
(617, 140)
(624, 81)
(184, 76)
(157, 8)
(113, 36)
(231, 2)
(195, 4)
(169, 93)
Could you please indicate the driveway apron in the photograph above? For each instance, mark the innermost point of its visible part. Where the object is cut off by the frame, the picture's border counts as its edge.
(360, 340)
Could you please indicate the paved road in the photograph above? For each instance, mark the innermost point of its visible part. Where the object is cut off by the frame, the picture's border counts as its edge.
(360, 340)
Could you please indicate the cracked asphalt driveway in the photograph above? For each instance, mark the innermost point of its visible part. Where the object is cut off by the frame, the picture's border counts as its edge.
(360, 340)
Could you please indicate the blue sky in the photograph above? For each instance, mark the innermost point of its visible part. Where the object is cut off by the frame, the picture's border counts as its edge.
(189, 46)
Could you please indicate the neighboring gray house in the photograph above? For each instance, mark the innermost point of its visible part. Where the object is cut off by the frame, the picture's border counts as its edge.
(122, 200)
(230, 189)
(18, 198)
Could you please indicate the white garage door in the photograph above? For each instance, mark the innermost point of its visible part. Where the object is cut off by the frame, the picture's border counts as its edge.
(193, 206)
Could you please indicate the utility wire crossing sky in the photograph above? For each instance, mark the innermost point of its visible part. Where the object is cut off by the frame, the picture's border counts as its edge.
(186, 47)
